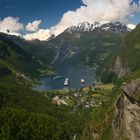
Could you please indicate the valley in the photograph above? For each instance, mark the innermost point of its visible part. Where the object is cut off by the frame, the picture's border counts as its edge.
(39, 107)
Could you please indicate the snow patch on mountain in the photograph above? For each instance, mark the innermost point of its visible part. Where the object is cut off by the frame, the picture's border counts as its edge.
(88, 27)
(83, 27)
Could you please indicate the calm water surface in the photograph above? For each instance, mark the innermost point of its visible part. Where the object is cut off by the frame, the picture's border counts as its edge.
(74, 73)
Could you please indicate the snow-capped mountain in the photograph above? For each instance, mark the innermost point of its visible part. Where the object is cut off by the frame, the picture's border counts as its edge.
(88, 27)
(83, 27)
(114, 27)
(88, 42)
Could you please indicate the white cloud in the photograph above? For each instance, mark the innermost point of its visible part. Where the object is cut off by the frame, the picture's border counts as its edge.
(11, 24)
(131, 26)
(96, 10)
(34, 26)
(91, 11)
(40, 34)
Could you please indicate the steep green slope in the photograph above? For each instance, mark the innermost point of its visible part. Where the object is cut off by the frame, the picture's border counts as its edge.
(14, 60)
(126, 62)
(36, 48)
(97, 47)
(130, 52)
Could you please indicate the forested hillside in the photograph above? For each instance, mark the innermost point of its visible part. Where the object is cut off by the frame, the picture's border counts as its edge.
(125, 63)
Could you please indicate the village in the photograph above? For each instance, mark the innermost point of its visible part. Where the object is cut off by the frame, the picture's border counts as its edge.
(82, 98)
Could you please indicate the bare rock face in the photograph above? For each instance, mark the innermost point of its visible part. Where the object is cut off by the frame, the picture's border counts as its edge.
(131, 120)
(126, 123)
(133, 88)
(119, 68)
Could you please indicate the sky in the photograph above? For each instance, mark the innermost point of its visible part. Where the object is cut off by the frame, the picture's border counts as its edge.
(49, 11)
(42, 18)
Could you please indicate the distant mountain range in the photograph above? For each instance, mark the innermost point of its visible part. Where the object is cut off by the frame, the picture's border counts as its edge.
(88, 27)
(87, 43)
(84, 43)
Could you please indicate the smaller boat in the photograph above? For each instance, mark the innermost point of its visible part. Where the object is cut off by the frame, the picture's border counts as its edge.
(66, 83)
(82, 81)
(57, 77)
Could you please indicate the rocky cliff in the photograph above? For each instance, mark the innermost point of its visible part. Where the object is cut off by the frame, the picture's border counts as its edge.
(126, 123)
(119, 68)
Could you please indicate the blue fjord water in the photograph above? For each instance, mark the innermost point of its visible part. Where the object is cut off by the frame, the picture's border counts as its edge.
(73, 72)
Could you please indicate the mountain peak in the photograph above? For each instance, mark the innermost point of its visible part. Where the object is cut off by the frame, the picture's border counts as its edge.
(114, 27)
(82, 27)
(88, 27)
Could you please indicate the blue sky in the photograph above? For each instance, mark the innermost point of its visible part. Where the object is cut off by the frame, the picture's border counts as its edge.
(49, 11)
(42, 18)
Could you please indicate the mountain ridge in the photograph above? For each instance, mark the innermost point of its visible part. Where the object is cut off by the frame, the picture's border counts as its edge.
(88, 27)
(75, 40)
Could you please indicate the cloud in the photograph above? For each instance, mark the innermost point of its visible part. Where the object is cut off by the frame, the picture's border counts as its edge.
(94, 10)
(34, 26)
(11, 25)
(40, 34)
(131, 26)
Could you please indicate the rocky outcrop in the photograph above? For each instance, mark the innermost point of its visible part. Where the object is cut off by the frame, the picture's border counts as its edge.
(131, 120)
(132, 89)
(119, 68)
(126, 123)
(57, 100)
